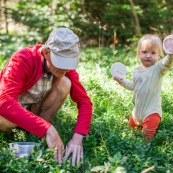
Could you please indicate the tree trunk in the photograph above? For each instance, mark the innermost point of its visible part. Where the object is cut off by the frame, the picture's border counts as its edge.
(54, 6)
(4, 14)
(138, 28)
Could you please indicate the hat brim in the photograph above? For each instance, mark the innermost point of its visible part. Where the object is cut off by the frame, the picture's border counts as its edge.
(64, 62)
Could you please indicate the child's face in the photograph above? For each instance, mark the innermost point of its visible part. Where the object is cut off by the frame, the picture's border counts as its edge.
(148, 54)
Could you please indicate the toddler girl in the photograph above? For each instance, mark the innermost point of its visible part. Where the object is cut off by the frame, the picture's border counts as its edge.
(146, 84)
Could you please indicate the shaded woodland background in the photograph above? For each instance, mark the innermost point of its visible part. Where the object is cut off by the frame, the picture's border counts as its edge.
(97, 22)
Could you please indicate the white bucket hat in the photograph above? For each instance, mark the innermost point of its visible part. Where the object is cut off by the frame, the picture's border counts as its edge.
(64, 50)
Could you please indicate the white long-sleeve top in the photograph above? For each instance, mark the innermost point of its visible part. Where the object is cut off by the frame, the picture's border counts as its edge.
(147, 89)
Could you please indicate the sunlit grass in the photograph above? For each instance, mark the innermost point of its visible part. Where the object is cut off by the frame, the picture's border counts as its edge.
(111, 143)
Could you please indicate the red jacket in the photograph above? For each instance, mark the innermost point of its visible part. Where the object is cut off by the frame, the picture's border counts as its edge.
(21, 72)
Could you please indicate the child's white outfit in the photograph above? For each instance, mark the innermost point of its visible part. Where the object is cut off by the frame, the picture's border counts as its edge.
(147, 89)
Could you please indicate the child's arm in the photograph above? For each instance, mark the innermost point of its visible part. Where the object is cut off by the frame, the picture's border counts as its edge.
(167, 62)
(124, 83)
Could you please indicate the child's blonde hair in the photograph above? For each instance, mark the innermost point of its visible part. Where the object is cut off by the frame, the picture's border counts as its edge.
(154, 40)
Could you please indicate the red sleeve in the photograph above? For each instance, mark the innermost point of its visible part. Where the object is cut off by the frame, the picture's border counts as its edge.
(12, 81)
(84, 104)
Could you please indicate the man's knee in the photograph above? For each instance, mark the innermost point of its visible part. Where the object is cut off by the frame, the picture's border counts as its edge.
(6, 125)
(63, 85)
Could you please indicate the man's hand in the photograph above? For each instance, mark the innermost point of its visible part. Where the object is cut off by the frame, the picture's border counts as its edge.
(54, 142)
(75, 148)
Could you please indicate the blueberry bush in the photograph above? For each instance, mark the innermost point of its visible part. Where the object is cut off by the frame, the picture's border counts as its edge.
(111, 146)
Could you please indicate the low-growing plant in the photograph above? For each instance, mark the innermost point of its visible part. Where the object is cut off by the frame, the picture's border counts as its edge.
(111, 146)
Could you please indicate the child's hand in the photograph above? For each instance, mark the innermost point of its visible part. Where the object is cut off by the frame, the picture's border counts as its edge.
(118, 79)
(168, 44)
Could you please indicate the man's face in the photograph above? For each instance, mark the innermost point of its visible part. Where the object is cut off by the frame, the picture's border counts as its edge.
(57, 72)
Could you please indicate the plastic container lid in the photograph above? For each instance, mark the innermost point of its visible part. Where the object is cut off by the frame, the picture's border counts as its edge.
(168, 50)
(118, 69)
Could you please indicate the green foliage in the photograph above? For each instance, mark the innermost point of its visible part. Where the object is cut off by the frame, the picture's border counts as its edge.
(96, 20)
(39, 161)
(111, 146)
(40, 17)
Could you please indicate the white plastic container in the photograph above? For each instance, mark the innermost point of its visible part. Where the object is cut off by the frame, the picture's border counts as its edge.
(23, 149)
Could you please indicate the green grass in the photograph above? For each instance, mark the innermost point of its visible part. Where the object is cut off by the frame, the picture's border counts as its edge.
(111, 143)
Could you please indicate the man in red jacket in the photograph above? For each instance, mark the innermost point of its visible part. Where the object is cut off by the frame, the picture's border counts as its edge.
(33, 86)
